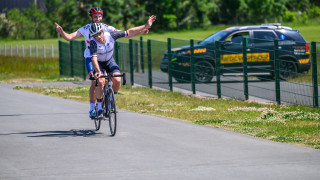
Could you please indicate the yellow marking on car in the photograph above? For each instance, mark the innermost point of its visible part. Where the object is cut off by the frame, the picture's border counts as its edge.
(186, 64)
(196, 51)
(238, 58)
(174, 59)
(303, 61)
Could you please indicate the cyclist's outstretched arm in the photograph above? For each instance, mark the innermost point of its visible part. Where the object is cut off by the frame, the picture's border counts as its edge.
(132, 32)
(66, 36)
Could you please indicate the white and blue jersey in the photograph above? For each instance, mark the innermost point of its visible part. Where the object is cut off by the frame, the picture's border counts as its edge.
(84, 31)
(104, 51)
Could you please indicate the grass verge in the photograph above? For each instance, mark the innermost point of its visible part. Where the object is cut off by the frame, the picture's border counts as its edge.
(289, 124)
(30, 69)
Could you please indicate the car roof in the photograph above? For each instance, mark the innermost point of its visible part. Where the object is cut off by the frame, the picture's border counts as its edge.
(272, 26)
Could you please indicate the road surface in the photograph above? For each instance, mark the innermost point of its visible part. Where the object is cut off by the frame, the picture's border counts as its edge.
(43, 137)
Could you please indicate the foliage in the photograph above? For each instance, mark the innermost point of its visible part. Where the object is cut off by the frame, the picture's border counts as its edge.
(171, 15)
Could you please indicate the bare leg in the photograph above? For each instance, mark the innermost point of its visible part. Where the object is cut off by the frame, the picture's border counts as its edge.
(116, 82)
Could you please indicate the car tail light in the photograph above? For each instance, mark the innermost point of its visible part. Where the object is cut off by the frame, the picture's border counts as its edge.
(307, 48)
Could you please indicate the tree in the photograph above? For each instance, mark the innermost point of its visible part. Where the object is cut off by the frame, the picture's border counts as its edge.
(38, 21)
(5, 27)
(19, 23)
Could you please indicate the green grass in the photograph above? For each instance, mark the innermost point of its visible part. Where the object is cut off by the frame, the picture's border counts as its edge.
(27, 69)
(289, 124)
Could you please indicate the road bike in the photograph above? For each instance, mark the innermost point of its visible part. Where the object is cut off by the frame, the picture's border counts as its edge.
(109, 103)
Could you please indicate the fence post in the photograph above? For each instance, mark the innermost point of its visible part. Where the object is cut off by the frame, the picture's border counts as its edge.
(83, 47)
(5, 50)
(116, 45)
(131, 61)
(137, 62)
(193, 79)
(44, 51)
(17, 50)
(52, 50)
(245, 67)
(10, 49)
(277, 70)
(30, 50)
(36, 50)
(217, 52)
(141, 54)
(169, 64)
(71, 57)
(315, 74)
(60, 57)
(22, 50)
(149, 63)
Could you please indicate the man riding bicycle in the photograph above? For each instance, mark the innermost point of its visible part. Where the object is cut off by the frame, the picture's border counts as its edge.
(95, 15)
(101, 50)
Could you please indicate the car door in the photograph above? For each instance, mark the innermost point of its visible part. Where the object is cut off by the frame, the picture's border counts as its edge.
(231, 58)
(260, 51)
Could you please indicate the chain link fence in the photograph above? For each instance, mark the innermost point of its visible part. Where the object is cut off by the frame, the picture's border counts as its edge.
(230, 71)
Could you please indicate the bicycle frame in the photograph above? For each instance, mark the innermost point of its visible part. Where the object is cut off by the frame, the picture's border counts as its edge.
(109, 103)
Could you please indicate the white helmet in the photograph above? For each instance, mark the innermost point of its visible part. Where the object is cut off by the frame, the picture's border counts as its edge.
(95, 28)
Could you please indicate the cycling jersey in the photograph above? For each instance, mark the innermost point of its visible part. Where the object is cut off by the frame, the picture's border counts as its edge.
(104, 51)
(84, 31)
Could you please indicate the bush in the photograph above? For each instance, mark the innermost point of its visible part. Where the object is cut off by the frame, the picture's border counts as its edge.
(314, 12)
(289, 16)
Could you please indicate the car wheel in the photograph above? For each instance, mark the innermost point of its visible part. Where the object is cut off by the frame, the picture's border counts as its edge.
(288, 69)
(182, 78)
(204, 71)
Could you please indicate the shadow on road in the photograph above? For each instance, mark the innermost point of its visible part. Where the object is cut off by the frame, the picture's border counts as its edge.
(42, 114)
(71, 133)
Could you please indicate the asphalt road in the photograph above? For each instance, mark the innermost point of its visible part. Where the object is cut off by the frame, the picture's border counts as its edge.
(43, 137)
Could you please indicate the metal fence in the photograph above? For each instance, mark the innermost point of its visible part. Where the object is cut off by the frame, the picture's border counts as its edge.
(29, 51)
(142, 60)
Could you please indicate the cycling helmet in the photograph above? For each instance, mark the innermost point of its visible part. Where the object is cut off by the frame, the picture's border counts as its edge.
(95, 10)
(95, 28)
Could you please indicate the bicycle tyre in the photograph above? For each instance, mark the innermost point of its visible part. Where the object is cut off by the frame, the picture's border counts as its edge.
(97, 122)
(112, 112)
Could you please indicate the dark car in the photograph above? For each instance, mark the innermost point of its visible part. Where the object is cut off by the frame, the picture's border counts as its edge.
(293, 54)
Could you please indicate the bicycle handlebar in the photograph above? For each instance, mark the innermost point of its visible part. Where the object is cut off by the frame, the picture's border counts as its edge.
(123, 75)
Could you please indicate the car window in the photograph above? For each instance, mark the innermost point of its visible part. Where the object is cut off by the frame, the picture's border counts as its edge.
(291, 35)
(215, 37)
(237, 38)
(267, 35)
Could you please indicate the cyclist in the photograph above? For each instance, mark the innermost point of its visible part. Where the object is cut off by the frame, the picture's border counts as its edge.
(95, 15)
(101, 49)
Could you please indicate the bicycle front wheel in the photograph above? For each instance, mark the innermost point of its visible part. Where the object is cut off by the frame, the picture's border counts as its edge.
(112, 112)
(97, 122)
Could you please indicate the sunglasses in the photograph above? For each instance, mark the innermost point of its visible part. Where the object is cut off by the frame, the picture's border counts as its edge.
(98, 34)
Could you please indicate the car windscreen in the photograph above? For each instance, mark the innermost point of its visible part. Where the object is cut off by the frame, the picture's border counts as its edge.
(215, 37)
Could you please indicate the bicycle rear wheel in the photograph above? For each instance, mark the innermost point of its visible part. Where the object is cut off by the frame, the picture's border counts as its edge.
(97, 122)
(112, 112)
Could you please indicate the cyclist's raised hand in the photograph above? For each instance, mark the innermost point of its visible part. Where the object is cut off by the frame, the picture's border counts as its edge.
(58, 28)
(150, 21)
